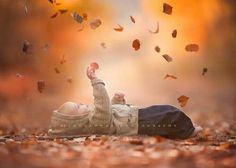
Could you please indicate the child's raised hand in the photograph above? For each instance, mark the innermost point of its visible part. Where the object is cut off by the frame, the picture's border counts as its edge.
(91, 70)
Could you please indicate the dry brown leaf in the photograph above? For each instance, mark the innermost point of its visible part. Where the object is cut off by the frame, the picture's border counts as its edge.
(192, 48)
(167, 58)
(84, 16)
(156, 31)
(132, 19)
(170, 76)
(204, 71)
(57, 70)
(174, 33)
(167, 8)
(62, 11)
(157, 49)
(63, 59)
(103, 45)
(136, 44)
(27, 47)
(41, 86)
(54, 15)
(119, 28)
(51, 1)
(95, 23)
(183, 100)
(69, 80)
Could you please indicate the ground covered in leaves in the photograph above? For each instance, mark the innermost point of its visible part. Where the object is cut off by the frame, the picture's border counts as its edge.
(214, 147)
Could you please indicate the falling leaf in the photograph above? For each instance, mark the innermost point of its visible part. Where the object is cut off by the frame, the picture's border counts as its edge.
(183, 100)
(45, 47)
(51, 1)
(94, 66)
(63, 59)
(157, 49)
(27, 47)
(156, 31)
(62, 11)
(77, 17)
(167, 8)
(57, 70)
(95, 23)
(192, 48)
(18, 75)
(167, 58)
(69, 80)
(132, 19)
(204, 71)
(170, 76)
(85, 16)
(41, 86)
(136, 44)
(54, 15)
(119, 28)
(174, 33)
(103, 45)
(25, 7)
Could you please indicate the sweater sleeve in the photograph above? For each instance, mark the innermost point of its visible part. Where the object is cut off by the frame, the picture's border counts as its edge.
(102, 111)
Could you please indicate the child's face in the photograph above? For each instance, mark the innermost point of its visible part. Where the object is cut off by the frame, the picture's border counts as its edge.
(83, 109)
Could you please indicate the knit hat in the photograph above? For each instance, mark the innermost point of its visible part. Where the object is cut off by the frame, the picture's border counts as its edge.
(68, 108)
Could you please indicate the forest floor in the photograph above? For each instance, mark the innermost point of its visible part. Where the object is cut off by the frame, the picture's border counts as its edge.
(214, 147)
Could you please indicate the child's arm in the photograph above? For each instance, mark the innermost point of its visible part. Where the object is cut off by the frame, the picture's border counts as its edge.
(102, 104)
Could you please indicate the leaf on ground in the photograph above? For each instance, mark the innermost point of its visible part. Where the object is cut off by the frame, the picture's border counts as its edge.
(157, 49)
(183, 100)
(119, 28)
(174, 33)
(56, 70)
(41, 86)
(167, 8)
(95, 23)
(54, 15)
(77, 17)
(132, 19)
(192, 48)
(156, 31)
(167, 58)
(204, 71)
(170, 76)
(27, 47)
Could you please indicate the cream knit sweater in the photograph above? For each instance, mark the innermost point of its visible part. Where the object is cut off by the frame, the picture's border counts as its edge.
(103, 117)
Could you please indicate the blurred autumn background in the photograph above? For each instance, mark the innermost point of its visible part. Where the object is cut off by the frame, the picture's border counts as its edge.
(61, 49)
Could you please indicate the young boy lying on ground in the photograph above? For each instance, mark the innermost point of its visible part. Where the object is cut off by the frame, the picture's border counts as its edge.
(116, 117)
